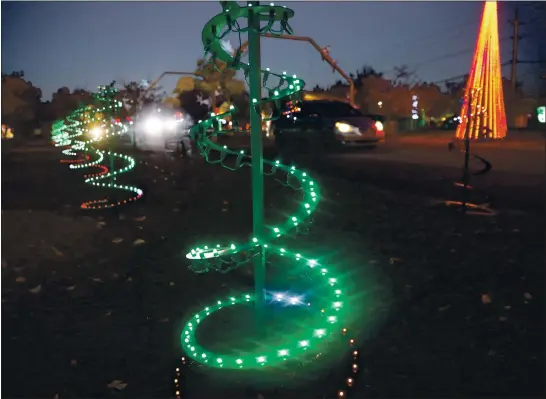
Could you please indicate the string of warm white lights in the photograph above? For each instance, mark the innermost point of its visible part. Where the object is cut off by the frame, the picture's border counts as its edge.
(328, 323)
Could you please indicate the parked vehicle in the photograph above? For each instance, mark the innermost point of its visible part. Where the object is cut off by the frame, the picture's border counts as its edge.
(325, 125)
(450, 123)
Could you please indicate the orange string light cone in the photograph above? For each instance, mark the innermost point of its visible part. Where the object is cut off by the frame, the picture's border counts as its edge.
(484, 115)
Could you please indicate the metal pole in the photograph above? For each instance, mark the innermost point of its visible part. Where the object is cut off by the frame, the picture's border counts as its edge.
(515, 38)
(467, 151)
(256, 149)
(109, 116)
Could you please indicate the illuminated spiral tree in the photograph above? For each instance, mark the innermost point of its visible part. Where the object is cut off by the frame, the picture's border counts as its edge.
(82, 131)
(326, 324)
(483, 114)
(65, 132)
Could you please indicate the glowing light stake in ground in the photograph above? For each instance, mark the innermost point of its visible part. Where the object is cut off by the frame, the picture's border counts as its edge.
(309, 340)
(487, 116)
(327, 321)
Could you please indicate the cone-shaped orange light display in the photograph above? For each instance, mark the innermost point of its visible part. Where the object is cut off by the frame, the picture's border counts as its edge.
(483, 112)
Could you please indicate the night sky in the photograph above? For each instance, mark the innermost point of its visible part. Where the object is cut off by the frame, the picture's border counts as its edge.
(82, 45)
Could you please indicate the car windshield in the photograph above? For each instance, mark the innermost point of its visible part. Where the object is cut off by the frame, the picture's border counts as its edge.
(331, 109)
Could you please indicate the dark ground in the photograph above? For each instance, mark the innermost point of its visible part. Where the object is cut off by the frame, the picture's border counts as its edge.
(461, 298)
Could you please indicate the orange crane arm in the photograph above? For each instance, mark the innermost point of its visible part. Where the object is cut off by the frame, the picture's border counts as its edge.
(156, 80)
(325, 56)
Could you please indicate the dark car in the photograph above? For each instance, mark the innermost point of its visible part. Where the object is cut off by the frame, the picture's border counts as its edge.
(324, 125)
(450, 123)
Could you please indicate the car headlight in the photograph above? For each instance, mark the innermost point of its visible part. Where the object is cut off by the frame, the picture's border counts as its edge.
(171, 124)
(342, 127)
(379, 126)
(153, 125)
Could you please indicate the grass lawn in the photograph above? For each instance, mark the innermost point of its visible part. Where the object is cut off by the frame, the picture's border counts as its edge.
(445, 305)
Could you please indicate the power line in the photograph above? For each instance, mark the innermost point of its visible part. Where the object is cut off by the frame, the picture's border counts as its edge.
(515, 38)
(532, 62)
(463, 76)
(466, 50)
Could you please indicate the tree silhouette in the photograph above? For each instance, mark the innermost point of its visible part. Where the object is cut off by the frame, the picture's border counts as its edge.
(21, 101)
(364, 72)
(404, 76)
(190, 103)
(134, 96)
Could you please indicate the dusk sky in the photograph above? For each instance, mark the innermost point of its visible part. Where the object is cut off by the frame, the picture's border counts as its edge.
(82, 45)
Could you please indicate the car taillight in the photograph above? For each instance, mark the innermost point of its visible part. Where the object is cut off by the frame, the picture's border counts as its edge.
(378, 126)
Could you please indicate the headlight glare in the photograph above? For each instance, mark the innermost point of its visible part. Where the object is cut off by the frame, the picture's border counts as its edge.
(342, 127)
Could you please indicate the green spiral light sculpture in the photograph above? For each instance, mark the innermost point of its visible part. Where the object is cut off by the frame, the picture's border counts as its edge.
(94, 125)
(65, 131)
(328, 317)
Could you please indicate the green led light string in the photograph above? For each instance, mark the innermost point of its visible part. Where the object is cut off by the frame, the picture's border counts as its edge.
(64, 133)
(326, 324)
(100, 127)
(87, 126)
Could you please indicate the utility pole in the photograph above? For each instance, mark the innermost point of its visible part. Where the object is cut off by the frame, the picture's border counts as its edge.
(515, 37)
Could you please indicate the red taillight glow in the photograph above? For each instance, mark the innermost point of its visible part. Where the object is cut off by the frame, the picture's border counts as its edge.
(379, 132)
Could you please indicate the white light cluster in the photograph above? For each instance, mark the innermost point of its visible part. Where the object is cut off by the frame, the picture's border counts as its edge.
(291, 300)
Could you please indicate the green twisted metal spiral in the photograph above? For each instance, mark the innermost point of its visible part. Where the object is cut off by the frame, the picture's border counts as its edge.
(221, 257)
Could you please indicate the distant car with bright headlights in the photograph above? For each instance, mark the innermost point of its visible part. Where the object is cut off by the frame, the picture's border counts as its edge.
(325, 125)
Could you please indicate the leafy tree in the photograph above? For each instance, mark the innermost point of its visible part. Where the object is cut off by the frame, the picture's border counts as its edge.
(134, 96)
(217, 78)
(456, 87)
(373, 93)
(404, 76)
(191, 102)
(185, 83)
(432, 100)
(516, 105)
(63, 102)
(363, 73)
(21, 101)
(172, 102)
(242, 102)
